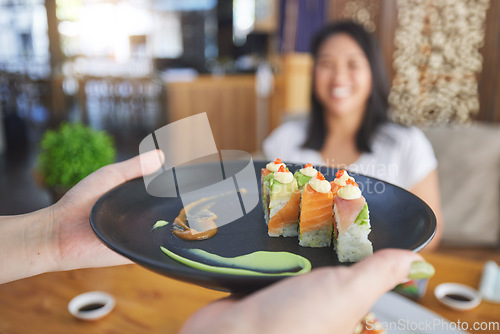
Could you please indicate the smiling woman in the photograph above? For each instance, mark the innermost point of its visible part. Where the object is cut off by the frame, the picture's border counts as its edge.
(342, 76)
(349, 127)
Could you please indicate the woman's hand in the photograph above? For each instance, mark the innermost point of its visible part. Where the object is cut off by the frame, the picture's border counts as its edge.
(326, 300)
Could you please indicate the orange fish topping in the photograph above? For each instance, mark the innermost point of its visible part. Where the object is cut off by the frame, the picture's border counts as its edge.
(277, 161)
(339, 173)
(282, 169)
(320, 176)
(307, 165)
(351, 182)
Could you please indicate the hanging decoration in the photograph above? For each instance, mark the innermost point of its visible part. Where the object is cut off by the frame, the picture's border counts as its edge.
(437, 60)
(363, 12)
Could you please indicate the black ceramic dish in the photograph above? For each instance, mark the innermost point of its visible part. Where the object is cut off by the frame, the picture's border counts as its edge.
(123, 218)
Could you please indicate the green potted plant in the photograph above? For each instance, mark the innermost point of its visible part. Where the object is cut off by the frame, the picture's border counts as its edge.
(70, 153)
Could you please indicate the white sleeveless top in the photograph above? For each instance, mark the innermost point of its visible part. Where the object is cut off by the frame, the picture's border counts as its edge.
(400, 155)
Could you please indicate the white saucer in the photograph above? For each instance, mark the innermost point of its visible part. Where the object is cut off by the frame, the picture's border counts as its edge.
(91, 305)
(472, 297)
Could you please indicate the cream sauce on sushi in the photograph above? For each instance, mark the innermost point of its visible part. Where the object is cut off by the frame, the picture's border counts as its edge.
(275, 165)
(261, 263)
(349, 192)
(341, 178)
(308, 170)
(283, 176)
(319, 184)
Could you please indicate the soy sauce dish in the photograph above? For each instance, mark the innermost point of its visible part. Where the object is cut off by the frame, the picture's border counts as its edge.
(457, 296)
(91, 305)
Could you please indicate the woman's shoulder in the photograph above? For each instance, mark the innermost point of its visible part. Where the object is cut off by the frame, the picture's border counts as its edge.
(406, 150)
(293, 132)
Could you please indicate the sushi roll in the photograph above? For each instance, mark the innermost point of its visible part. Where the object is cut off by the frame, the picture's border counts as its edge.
(281, 200)
(315, 223)
(341, 177)
(352, 223)
(270, 168)
(303, 175)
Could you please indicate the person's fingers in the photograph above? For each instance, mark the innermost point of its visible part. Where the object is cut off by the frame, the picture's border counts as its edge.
(151, 161)
(115, 174)
(204, 319)
(143, 164)
(381, 272)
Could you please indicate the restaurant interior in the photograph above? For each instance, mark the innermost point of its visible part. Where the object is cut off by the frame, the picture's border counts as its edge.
(129, 67)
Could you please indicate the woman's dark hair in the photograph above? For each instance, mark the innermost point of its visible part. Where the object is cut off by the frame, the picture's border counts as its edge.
(377, 105)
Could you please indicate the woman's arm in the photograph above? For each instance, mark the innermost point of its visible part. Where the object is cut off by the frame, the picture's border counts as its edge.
(60, 237)
(428, 191)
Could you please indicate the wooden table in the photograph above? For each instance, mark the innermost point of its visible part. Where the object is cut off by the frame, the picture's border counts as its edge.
(454, 269)
(150, 303)
(146, 302)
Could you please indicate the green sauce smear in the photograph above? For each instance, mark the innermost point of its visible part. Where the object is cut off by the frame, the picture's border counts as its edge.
(253, 264)
(159, 223)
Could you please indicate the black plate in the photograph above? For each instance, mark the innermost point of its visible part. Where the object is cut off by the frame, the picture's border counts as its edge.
(123, 218)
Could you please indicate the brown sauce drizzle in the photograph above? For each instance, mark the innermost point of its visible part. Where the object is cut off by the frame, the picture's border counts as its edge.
(202, 225)
(205, 220)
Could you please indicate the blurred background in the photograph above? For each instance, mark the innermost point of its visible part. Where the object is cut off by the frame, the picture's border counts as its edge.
(131, 66)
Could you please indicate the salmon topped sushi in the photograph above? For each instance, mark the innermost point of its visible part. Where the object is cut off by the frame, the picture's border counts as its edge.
(281, 200)
(351, 223)
(315, 223)
(303, 175)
